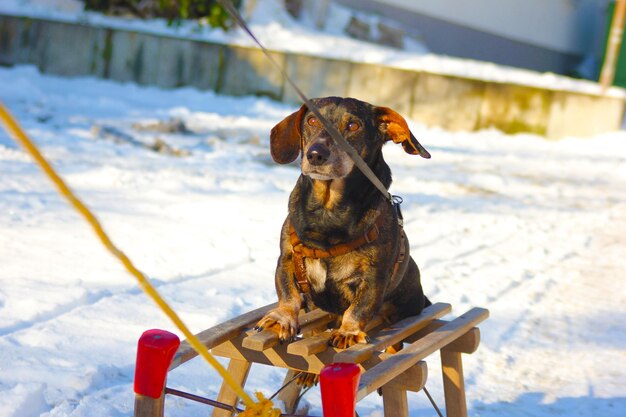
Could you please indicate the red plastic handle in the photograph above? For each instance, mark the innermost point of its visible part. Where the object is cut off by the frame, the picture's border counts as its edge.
(338, 384)
(155, 351)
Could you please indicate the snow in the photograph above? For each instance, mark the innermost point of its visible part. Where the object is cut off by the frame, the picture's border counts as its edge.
(277, 30)
(531, 229)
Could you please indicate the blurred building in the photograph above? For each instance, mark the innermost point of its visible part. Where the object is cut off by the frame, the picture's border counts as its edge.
(561, 36)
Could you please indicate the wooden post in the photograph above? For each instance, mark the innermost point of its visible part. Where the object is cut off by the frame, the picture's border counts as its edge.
(453, 383)
(155, 351)
(149, 407)
(616, 33)
(238, 369)
(395, 402)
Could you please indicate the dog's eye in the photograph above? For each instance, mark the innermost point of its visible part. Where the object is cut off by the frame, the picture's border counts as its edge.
(312, 121)
(353, 126)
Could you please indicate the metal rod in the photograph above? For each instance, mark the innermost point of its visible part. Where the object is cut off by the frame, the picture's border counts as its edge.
(213, 403)
(285, 385)
(432, 401)
(202, 400)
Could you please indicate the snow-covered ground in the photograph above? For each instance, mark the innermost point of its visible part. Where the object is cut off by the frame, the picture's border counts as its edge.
(531, 229)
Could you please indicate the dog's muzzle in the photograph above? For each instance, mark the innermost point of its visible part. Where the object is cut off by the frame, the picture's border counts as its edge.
(318, 153)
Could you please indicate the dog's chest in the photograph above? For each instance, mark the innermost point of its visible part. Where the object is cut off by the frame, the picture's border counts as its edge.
(318, 272)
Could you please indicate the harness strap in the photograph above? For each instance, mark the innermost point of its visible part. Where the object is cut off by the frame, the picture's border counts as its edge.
(400, 266)
(341, 249)
(300, 272)
(300, 252)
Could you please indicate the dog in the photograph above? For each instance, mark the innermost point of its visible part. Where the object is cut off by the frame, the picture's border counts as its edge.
(342, 245)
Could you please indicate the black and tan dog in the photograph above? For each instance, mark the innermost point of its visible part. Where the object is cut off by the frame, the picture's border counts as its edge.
(342, 242)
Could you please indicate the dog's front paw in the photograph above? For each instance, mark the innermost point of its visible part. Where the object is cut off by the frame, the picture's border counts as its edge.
(343, 339)
(306, 379)
(282, 321)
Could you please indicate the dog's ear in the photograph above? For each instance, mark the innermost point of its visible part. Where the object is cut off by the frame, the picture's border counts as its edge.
(395, 128)
(286, 138)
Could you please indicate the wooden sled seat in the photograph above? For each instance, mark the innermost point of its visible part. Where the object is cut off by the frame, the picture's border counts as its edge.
(392, 373)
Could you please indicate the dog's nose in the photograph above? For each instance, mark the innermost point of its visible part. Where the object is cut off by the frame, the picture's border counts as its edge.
(317, 154)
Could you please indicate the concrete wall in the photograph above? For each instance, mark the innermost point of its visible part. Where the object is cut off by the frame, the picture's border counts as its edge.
(454, 103)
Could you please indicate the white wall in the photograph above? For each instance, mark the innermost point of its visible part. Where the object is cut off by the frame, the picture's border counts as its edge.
(571, 26)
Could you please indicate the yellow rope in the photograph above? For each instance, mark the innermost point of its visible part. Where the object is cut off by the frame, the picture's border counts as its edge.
(263, 407)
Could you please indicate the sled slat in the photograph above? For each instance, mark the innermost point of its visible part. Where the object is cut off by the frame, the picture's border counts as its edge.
(411, 354)
(319, 343)
(278, 356)
(265, 339)
(394, 333)
(310, 345)
(219, 334)
(468, 343)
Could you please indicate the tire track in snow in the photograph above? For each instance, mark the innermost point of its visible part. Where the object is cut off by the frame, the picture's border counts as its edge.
(90, 298)
(87, 298)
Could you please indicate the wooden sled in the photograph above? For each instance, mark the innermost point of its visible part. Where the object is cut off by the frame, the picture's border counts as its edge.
(392, 374)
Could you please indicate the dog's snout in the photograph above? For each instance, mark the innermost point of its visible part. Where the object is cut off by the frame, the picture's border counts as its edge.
(317, 154)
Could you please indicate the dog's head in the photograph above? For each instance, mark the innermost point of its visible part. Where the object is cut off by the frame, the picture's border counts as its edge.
(364, 126)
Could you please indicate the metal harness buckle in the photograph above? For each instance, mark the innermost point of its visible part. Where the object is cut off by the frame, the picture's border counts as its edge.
(366, 236)
(396, 201)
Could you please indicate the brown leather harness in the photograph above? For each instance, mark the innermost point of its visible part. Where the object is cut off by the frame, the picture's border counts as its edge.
(300, 251)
